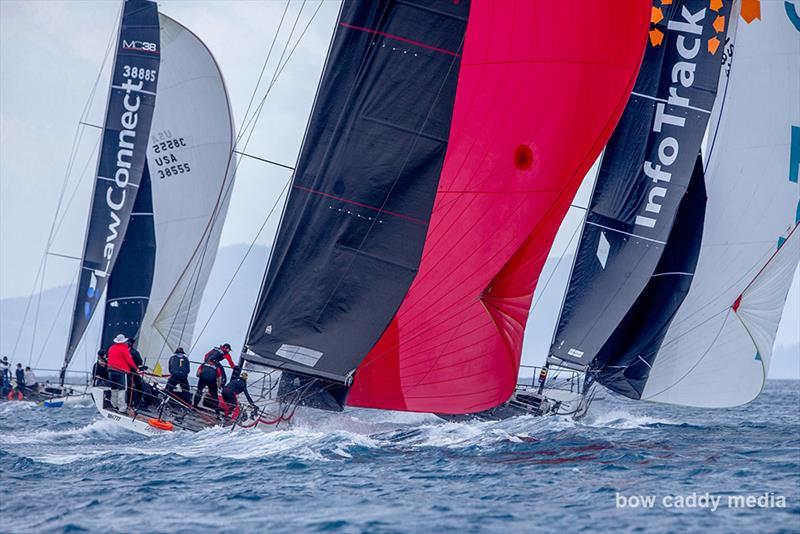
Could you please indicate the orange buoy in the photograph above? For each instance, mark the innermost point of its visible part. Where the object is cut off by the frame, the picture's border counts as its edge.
(158, 423)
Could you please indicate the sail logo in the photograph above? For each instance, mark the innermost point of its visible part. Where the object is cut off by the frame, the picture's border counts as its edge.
(140, 46)
(656, 36)
(116, 194)
(687, 44)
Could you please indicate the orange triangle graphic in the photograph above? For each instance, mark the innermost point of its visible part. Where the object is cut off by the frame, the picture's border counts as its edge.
(713, 44)
(656, 15)
(719, 24)
(751, 10)
(656, 37)
(715, 5)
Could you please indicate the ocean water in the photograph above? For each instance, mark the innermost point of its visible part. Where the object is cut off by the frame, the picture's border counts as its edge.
(65, 470)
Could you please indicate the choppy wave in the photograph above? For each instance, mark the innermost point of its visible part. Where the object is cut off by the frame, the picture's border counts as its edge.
(368, 470)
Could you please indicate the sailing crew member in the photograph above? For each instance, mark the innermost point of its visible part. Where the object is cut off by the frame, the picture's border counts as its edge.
(30, 380)
(120, 365)
(100, 369)
(136, 386)
(100, 374)
(19, 374)
(209, 375)
(230, 399)
(179, 375)
(216, 355)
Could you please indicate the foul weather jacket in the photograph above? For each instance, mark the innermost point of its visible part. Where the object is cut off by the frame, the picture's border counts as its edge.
(120, 359)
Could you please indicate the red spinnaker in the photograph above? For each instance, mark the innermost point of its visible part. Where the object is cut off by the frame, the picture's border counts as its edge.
(542, 85)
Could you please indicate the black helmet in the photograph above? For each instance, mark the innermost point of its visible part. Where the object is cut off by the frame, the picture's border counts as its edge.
(101, 352)
(225, 346)
(180, 350)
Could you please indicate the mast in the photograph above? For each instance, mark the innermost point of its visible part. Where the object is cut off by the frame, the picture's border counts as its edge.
(129, 110)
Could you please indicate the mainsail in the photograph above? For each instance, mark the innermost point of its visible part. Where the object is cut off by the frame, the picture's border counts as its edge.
(129, 285)
(354, 225)
(541, 86)
(641, 236)
(122, 158)
(717, 350)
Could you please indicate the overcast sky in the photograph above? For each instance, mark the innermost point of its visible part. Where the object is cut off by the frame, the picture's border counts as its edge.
(50, 57)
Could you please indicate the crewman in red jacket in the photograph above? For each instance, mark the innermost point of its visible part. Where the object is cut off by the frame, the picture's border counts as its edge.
(120, 365)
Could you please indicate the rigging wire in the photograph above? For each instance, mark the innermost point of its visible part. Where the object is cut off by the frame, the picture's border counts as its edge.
(251, 123)
(70, 164)
(256, 114)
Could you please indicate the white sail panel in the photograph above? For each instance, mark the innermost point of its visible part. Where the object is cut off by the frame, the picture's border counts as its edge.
(191, 165)
(761, 304)
(712, 355)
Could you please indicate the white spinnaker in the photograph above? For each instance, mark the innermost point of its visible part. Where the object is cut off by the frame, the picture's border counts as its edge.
(713, 355)
(192, 168)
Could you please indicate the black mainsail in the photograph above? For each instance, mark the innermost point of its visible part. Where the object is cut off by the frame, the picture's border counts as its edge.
(121, 163)
(355, 222)
(129, 286)
(639, 243)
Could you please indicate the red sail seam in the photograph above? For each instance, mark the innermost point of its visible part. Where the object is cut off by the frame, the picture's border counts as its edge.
(359, 204)
(398, 38)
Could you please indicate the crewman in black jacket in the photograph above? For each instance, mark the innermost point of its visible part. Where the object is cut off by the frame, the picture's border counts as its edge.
(179, 375)
(230, 399)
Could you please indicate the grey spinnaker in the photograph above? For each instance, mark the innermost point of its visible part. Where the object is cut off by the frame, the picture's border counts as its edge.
(121, 162)
(643, 180)
(352, 233)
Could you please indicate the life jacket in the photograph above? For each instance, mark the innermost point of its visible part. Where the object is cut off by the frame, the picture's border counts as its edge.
(179, 366)
(214, 355)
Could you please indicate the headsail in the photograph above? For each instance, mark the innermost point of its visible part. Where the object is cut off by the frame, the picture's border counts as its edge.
(122, 157)
(354, 225)
(541, 87)
(627, 281)
(717, 350)
(192, 167)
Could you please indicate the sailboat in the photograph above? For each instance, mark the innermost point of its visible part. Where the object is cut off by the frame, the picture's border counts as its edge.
(685, 259)
(162, 189)
(445, 145)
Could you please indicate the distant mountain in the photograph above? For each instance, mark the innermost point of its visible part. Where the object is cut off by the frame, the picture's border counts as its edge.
(232, 316)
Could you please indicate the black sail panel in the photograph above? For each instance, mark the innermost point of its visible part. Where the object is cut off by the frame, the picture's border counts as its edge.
(354, 226)
(624, 362)
(129, 285)
(643, 177)
(122, 157)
